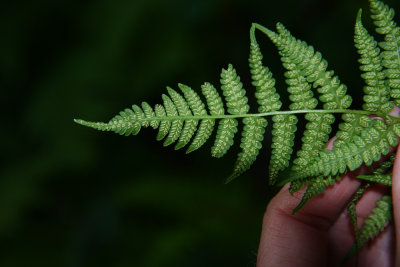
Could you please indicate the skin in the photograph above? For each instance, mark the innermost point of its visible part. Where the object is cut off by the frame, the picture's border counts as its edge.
(321, 234)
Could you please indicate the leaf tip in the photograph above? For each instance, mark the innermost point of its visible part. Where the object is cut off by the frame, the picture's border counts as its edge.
(231, 178)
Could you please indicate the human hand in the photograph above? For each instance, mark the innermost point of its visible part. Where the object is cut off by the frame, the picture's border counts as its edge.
(321, 234)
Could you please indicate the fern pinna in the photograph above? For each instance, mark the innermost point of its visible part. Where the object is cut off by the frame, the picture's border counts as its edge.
(185, 119)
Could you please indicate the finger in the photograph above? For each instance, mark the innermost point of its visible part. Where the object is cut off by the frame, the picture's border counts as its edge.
(396, 204)
(380, 251)
(341, 233)
(300, 239)
(286, 241)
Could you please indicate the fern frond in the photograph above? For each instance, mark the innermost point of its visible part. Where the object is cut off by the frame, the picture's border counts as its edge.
(373, 224)
(382, 17)
(184, 119)
(377, 94)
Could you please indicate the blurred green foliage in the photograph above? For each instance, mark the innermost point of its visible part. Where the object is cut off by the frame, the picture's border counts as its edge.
(71, 196)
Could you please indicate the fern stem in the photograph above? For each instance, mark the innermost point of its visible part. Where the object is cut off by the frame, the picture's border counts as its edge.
(266, 114)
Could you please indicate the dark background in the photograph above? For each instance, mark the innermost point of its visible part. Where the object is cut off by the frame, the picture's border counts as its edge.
(72, 196)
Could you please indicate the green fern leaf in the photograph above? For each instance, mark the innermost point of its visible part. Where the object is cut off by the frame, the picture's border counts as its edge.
(351, 208)
(216, 107)
(266, 95)
(232, 88)
(385, 179)
(176, 125)
(383, 16)
(236, 102)
(317, 186)
(184, 118)
(165, 125)
(183, 110)
(298, 184)
(149, 114)
(198, 109)
(377, 94)
(252, 136)
(227, 128)
(373, 224)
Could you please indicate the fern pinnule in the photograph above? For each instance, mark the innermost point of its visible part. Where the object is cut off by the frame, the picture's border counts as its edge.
(252, 136)
(232, 89)
(385, 179)
(176, 125)
(382, 17)
(317, 186)
(377, 94)
(227, 128)
(352, 209)
(378, 219)
(352, 125)
(266, 95)
(213, 99)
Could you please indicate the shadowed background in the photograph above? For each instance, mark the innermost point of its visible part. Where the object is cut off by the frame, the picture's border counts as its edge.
(72, 196)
